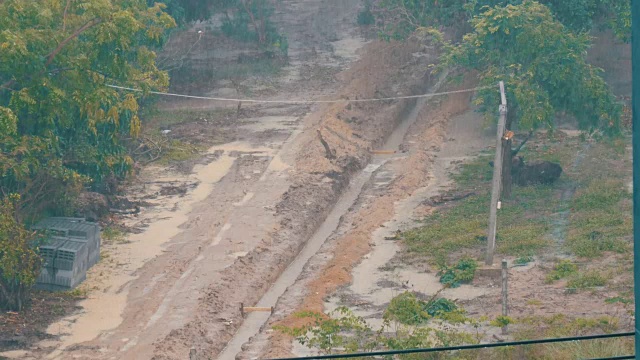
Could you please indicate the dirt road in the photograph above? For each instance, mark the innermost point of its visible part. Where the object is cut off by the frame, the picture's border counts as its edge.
(223, 233)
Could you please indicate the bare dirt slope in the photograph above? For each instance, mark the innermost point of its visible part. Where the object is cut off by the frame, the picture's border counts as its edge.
(219, 235)
(392, 193)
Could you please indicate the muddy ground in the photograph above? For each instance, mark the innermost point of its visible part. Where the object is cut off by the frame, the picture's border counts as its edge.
(217, 231)
(221, 219)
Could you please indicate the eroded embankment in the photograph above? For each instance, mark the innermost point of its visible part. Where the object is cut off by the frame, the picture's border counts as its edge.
(350, 130)
(331, 267)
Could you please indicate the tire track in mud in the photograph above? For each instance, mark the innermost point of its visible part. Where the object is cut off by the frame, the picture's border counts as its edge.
(331, 267)
(202, 308)
(255, 321)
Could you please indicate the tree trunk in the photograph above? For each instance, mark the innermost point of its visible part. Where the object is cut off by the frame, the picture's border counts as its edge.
(256, 26)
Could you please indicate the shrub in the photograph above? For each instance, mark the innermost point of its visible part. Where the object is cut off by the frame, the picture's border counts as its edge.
(587, 280)
(463, 272)
(562, 270)
(19, 260)
(407, 309)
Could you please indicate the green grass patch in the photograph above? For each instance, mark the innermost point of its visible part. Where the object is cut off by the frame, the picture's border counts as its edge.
(462, 273)
(113, 234)
(522, 223)
(587, 280)
(177, 151)
(601, 219)
(561, 270)
(407, 309)
(523, 260)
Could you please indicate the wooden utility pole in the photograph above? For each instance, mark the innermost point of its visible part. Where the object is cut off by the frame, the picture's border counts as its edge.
(497, 179)
(505, 297)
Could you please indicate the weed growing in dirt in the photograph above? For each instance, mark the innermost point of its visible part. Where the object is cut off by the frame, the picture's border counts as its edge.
(561, 326)
(587, 280)
(523, 260)
(177, 151)
(343, 332)
(502, 321)
(407, 309)
(561, 270)
(534, 302)
(461, 273)
(113, 234)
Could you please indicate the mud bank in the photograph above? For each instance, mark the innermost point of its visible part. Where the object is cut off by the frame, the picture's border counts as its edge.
(316, 184)
(331, 268)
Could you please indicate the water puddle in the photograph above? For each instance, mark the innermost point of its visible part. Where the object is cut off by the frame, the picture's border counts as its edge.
(254, 321)
(103, 310)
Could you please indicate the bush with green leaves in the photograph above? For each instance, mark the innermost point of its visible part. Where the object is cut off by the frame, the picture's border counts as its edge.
(251, 20)
(365, 16)
(19, 260)
(407, 309)
(344, 332)
(543, 64)
(461, 273)
(587, 280)
(561, 270)
(400, 18)
(60, 125)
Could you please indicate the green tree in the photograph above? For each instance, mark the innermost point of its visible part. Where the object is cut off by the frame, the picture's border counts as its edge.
(19, 261)
(543, 65)
(402, 17)
(251, 20)
(62, 127)
(184, 11)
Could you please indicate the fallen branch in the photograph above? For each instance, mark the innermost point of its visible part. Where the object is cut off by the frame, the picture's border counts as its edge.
(329, 153)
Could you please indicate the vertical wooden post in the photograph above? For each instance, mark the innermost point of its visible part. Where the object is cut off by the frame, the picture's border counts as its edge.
(497, 179)
(242, 310)
(505, 297)
(192, 354)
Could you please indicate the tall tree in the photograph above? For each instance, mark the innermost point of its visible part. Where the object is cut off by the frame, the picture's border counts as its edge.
(401, 17)
(19, 261)
(544, 66)
(61, 125)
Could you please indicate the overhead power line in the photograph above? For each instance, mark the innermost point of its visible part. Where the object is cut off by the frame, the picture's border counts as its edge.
(302, 101)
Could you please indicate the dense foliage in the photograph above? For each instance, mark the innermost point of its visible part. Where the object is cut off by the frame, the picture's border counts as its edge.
(61, 127)
(399, 18)
(543, 64)
(183, 11)
(19, 260)
(251, 20)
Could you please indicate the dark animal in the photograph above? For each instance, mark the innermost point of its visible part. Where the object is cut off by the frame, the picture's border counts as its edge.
(537, 172)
